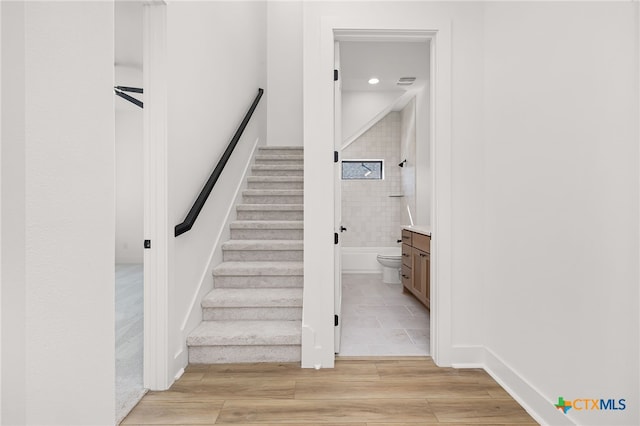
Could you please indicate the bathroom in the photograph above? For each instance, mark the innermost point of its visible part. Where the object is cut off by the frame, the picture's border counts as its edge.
(385, 186)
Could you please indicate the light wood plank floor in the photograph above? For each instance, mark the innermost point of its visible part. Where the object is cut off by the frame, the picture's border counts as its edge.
(357, 392)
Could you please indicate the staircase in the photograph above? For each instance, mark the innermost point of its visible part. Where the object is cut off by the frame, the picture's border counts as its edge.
(254, 312)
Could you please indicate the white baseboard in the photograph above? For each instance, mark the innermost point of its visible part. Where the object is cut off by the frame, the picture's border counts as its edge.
(467, 357)
(178, 374)
(531, 399)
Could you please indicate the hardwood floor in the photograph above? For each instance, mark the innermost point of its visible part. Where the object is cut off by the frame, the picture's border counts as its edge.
(357, 392)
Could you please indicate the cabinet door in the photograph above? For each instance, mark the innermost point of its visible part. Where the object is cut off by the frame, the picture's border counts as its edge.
(406, 255)
(421, 270)
(418, 287)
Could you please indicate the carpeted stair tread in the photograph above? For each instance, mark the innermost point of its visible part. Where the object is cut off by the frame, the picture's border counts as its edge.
(258, 269)
(271, 245)
(281, 148)
(279, 157)
(253, 298)
(246, 333)
(275, 179)
(269, 207)
(267, 224)
(278, 167)
(273, 192)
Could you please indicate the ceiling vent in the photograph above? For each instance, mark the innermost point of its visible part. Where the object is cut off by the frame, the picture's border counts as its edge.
(406, 81)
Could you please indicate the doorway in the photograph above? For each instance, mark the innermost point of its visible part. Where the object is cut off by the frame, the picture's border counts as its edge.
(383, 182)
(129, 256)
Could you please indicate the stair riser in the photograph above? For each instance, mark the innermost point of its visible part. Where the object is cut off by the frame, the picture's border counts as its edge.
(267, 234)
(297, 151)
(272, 313)
(257, 281)
(270, 215)
(232, 354)
(278, 162)
(276, 185)
(261, 255)
(259, 172)
(272, 199)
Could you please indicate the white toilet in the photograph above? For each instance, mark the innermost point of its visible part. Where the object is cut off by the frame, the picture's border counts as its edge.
(391, 261)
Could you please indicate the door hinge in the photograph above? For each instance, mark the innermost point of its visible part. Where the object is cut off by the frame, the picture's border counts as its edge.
(147, 244)
(335, 320)
(335, 75)
(335, 238)
(335, 156)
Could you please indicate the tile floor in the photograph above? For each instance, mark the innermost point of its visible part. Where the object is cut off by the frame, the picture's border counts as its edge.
(378, 319)
(129, 337)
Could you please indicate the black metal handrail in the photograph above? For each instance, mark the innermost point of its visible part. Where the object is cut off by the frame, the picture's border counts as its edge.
(188, 222)
(120, 91)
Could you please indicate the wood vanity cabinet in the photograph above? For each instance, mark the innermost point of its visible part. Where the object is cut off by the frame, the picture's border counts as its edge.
(416, 266)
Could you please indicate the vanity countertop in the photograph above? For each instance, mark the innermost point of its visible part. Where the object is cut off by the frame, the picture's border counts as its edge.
(424, 230)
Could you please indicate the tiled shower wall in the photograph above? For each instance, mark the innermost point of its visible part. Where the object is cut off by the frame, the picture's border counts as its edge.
(369, 212)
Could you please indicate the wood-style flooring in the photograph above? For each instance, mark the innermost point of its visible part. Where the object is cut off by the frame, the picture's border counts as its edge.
(357, 392)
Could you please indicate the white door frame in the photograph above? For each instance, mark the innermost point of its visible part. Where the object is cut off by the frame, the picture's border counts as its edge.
(156, 224)
(399, 36)
(337, 221)
(317, 349)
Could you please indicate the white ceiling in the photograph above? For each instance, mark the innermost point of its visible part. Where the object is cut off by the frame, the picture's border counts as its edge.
(387, 61)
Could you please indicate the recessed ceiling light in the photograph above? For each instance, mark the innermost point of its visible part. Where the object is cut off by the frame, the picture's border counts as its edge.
(374, 81)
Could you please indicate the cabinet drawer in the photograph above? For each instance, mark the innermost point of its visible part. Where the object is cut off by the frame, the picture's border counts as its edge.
(421, 242)
(406, 276)
(406, 237)
(406, 255)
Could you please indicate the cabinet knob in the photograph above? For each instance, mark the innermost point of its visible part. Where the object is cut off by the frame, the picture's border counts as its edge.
(405, 276)
(423, 255)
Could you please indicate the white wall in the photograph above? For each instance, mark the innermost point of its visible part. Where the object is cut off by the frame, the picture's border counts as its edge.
(408, 152)
(361, 110)
(217, 62)
(129, 120)
(13, 310)
(66, 237)
(0, 216)
(561, 193)
(424, 161)
(284, 73)
(466, 178)
(544, 194)
(129, 191)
